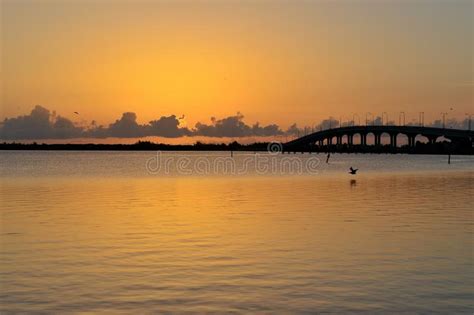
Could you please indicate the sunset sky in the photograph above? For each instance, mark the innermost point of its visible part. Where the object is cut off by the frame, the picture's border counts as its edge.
(274, 61)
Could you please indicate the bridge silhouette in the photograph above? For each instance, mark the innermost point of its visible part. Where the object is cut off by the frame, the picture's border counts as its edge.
(342, 139)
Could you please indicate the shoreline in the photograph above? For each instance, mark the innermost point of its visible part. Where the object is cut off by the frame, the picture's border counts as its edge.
(420, 149)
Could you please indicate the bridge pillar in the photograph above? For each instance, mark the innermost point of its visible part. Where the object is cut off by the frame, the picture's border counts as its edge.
(329, 141)
(339, 140)
(411, 141)
(321, 143)
(432, 139)
(350, 139)
(393, 140)
(377, 139)
(363, 139)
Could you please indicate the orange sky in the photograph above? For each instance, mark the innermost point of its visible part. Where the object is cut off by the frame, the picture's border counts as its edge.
(274, 61)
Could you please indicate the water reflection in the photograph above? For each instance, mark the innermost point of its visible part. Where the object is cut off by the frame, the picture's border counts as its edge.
(386, 242)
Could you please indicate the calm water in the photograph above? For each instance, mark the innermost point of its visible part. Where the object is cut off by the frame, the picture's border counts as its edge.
(99, 232)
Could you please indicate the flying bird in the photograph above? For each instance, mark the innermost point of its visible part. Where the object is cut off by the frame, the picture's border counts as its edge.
(76, 113)
(353, 171)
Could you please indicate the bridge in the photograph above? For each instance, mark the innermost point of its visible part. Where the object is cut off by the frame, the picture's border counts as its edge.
(344, 137)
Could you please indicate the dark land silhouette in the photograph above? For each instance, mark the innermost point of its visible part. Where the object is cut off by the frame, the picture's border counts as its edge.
(453, 141)
(419, 148)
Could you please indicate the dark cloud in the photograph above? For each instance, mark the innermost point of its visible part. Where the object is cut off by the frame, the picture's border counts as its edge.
(126, 127)
(39, 124)
(234, 126)
(265, 131)
(450, 123)
(96, 131)
(167, 127)
(293, 130)
(64, 128)
(328, 124)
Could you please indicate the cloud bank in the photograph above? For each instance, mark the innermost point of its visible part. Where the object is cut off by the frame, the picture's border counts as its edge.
(41, 123)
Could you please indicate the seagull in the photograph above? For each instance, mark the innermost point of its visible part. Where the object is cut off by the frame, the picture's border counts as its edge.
(353, 171)
(76, 113)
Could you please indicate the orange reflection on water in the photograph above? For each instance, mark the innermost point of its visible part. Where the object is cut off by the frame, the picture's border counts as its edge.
(221, 243)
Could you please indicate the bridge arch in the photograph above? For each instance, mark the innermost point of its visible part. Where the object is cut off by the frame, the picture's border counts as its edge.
(443, 139)
(370, 138)
(402, 139)
(346, 138)
(385, 138)
(419, 138)
(356, 138)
